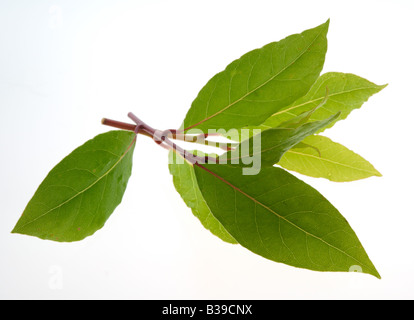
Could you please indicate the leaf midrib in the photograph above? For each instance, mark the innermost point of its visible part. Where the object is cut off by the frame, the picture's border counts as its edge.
(258, 87)
(334, 162)
(82, 191)
(281, 217)
(319, 99)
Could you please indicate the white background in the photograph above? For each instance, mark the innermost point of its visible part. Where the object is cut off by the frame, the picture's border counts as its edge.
(66, 64)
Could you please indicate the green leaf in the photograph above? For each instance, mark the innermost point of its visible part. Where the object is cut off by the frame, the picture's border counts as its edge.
(186, 185)
(279, 217)
(292, 123)
(81, 192)
(346, 93)
(260, 83)
(270, 145)
(319, 157)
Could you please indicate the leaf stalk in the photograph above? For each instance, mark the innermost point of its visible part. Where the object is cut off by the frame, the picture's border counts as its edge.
(163, 138)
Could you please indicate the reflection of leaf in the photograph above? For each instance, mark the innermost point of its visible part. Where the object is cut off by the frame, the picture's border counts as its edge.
(260, 83)
(346, 93)
(186, 185)
(281, 218)
(81, 192)
(320, 157)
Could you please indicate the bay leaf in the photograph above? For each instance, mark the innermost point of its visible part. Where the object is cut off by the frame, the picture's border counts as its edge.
(186, 185)
(320, 157)
(347, 92)
(270, 145)
(260, 83)
(80, 193)
(281, 218)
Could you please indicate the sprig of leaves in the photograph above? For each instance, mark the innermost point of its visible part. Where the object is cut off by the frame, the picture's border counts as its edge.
(274, 95)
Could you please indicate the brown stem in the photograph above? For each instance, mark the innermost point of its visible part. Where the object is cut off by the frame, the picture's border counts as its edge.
(123, 126)
(118, 124)
(173, 134)
(160, 137)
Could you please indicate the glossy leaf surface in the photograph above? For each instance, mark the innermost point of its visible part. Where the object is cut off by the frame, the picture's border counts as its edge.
(186, 185)
(346, 93)
(260, 83)
(81, 192)
(281, 218)
(318, 156)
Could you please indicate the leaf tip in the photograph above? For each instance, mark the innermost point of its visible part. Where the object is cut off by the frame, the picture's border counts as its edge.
(378, 174)
(383, 86)
(375, 172)
(326, 24)
(324, 27)
(336, 116)
(15, 229)
(19, 229)
(376, 274)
